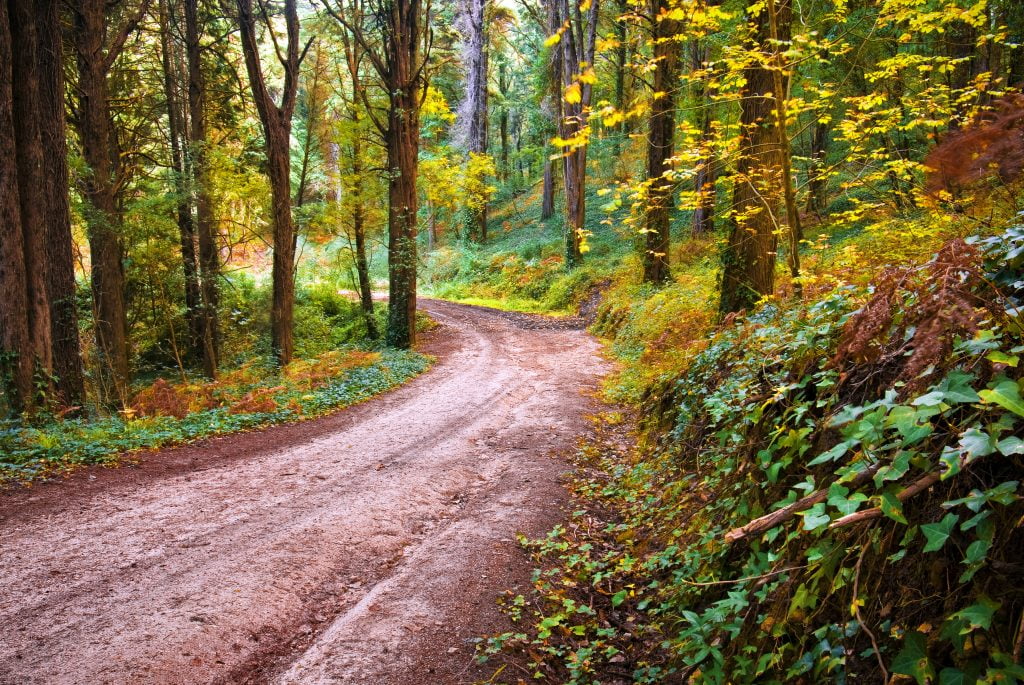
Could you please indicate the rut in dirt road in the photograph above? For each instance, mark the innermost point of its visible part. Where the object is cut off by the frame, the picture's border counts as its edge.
(365, 547)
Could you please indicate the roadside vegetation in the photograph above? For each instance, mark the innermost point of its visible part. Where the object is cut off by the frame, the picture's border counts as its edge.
(797, 225)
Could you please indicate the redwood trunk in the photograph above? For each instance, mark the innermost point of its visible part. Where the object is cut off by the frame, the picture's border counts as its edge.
(15, 347)
(32, 169)
(61, 286)
(99, 188)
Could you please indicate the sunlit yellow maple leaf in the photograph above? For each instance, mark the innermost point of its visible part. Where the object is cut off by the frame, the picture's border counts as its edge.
(573, 95)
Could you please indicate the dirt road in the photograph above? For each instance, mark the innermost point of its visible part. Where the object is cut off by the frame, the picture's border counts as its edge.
(365, 547)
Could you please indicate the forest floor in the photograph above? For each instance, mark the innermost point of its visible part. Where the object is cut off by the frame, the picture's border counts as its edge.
(364, 547)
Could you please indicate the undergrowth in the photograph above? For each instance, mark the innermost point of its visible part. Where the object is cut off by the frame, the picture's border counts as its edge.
(165, 413)
(823, 493)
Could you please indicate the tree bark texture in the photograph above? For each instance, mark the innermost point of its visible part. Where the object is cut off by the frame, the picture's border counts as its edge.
(15, 347)
(35, 230)
(748, 261)
(209, 257)
(60, 272)
(277, 125)
(100, 188)
(660, 143)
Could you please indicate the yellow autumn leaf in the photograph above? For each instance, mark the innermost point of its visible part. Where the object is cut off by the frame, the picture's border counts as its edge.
(553, 39)
(573, 95)
(585, 5)
(588, 76)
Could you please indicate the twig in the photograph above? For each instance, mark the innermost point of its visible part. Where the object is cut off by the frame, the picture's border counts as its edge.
(743, 580)
(922, 483)
(769, 521)
(860, 619)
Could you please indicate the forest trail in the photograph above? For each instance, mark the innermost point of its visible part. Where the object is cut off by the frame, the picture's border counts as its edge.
(365, 547)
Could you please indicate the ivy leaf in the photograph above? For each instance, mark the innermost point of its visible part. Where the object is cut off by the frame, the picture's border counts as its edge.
(1000, 357)
(619, 597)
(816, 517)
(834, 453)
(892, 507)
(913, 659)
(976, 443)
(1010, 446)
(978, 615)
(938, 533)
(1006, 394)
(954, 389)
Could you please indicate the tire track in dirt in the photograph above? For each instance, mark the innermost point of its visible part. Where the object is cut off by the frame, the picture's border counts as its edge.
(365, 547)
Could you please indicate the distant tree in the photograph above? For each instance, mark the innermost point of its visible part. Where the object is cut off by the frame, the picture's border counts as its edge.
(577, 38)
(471, 123)
(399, 55)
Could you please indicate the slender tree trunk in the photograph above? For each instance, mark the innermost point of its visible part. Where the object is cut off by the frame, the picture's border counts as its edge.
(186, 228)
(359, 229)
(779, 17)
(277, 126)
(748, 261)
(660, 144)
(577, 51)
(209, 259)
(547, 205)
(817, 179)
(620, 76)
(60, 272)
(704, 178)
(99, 188)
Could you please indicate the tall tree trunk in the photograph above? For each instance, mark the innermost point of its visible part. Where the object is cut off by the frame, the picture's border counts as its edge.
(32, 169)
(60, 272)
(209, 259)
(277, 125)
(472, 112)
(704, 178)
(748, 261)
(402, 151)
(15, 346)
(660, 143)
(186, 228)
(100, 190)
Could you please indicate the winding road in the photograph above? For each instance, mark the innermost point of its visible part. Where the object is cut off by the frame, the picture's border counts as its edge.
(364, 547)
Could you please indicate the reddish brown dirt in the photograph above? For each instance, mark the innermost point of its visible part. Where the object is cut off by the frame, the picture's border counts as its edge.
(364, 547)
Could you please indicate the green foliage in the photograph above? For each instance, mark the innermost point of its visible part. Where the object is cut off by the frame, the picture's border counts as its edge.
(655, 580)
